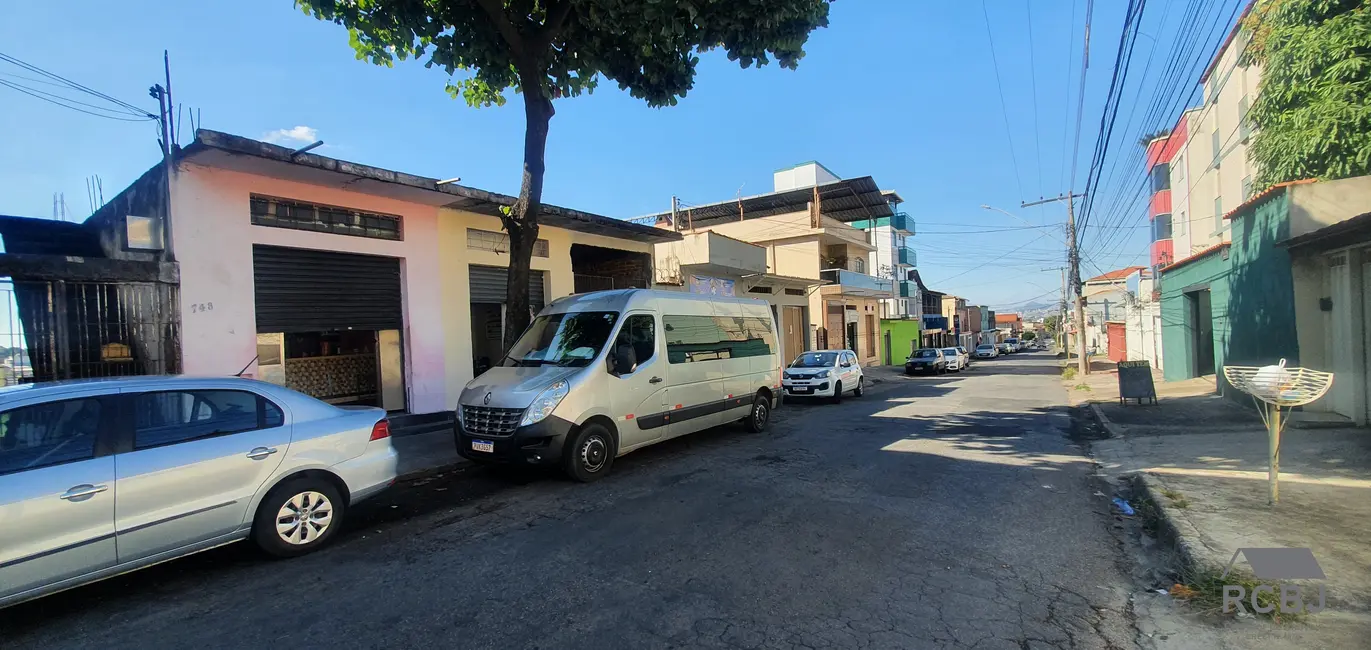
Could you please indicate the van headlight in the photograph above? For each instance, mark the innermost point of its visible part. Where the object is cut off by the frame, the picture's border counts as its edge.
(545, 403)
(822, 374)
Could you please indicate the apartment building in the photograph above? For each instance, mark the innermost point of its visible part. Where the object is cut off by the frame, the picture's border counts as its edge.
(808, 227)
(1201, 171)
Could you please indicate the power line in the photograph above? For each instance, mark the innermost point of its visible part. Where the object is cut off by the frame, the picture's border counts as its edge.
(1033, 78)
(134, 110)
(1080, 98)
(1066, 112)
(36, 94)
(1004, 106)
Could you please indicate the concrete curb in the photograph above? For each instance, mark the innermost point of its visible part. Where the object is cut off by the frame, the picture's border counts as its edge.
(1173, 527)
(1113, 429)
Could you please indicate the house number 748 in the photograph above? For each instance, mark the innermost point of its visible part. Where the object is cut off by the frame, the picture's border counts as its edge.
(201, 306)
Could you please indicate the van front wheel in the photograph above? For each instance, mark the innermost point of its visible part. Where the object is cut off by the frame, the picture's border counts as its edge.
(588, 456)
(759, 416)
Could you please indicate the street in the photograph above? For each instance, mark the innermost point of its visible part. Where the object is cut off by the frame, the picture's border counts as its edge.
(943, 511)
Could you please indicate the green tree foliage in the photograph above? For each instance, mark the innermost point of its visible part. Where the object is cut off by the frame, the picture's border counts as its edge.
(551, 49)
(1313, 113)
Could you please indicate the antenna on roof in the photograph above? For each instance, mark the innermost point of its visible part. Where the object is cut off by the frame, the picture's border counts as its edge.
(313, 145)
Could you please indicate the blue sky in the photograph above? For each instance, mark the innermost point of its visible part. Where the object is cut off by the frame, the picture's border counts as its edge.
(899, 90)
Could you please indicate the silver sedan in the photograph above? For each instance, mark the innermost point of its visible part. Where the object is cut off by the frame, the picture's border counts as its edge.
(100, 477)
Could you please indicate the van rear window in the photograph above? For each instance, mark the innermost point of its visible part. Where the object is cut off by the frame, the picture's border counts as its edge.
(692, 339)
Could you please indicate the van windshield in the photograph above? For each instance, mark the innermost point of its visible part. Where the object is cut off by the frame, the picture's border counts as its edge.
(573, 339)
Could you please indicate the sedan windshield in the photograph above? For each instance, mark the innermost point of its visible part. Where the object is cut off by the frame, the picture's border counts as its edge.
(926, 354)
(985, 347)
(950, 351)
(815, 360)
(562, 340)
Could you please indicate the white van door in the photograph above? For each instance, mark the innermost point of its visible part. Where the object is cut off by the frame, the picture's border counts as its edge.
(696, 349)
(638, 397)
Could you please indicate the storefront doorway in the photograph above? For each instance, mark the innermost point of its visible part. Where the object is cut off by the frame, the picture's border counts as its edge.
(329, 325)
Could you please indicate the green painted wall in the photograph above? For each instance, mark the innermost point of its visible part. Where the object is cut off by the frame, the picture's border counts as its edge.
(1178, 326)
(904, 337)
(1262, 290)
(1251, 298)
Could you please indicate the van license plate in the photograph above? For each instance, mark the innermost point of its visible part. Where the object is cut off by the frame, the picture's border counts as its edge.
(483, 445)
(802, 389)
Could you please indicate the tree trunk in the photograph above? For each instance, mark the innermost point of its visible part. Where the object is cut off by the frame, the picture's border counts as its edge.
(522, 221)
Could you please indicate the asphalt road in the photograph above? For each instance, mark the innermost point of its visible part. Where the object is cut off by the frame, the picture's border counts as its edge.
(932, 512)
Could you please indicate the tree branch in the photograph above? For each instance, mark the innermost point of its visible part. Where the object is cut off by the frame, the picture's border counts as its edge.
(496, 11)
(556, 17)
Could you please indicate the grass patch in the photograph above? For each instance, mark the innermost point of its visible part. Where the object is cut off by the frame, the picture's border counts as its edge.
(1177, 499)
(1084, 387)
(1203, 589)
(1069, 373)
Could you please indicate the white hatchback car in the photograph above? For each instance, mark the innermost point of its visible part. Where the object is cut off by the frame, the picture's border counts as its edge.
(823, 373)
(104, 476)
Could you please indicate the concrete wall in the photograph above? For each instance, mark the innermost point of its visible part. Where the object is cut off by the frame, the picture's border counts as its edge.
(1318, 205)
(707, 247)
(454, 295)
(904, 339)
(214, 238)
(1261, 296)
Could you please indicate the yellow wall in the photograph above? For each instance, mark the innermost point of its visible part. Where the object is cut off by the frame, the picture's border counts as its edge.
(455, 258)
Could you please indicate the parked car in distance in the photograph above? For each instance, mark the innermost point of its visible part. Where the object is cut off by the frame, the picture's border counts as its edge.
(926, 360)
(104, 476)
(598, 375)
(823, 373)
(987, 351)
(1003, 348)
(966, 356)
(955, 359)
(1015, 345)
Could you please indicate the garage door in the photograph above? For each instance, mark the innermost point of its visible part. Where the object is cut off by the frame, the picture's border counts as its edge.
(488, 286)
(306, 290)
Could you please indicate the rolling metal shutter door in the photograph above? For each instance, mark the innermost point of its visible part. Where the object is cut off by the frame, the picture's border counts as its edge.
(304, 290)
(488, 286)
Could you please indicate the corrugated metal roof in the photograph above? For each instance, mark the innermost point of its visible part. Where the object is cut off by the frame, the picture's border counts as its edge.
(845, 200)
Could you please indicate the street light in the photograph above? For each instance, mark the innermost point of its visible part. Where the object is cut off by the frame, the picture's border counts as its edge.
(1030, 224)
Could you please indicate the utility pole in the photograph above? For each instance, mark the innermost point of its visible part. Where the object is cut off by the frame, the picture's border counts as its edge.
(675, 207)
(1073, 260)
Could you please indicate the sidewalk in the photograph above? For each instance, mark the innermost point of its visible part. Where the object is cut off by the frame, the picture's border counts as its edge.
(1202, 460)
(424, 452)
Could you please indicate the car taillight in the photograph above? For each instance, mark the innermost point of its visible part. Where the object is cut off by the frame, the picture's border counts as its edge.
(380, 430)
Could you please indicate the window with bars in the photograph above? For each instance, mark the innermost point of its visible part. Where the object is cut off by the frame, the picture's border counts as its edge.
(299, 215)
(498, 242)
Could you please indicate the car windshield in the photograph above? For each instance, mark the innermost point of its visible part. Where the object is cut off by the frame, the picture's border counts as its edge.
(571, 339)
(925, 354)
(985, 347)
(952, 351)
(815, 360)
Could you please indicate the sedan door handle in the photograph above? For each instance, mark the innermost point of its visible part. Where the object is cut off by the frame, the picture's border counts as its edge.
(655, 380)
(261, 452)
(83, 492)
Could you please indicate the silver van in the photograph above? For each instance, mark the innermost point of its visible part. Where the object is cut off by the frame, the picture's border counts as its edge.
(598, 375)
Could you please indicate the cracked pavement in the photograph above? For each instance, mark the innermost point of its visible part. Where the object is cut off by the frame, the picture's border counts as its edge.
(943, 512)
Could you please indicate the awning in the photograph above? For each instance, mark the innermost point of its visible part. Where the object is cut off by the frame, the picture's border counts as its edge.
(1339, 235)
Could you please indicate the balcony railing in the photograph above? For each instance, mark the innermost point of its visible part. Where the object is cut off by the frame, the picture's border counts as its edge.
(907, 257)
(899, 221)
(909, 289)
(935, 322)
(861, 284)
